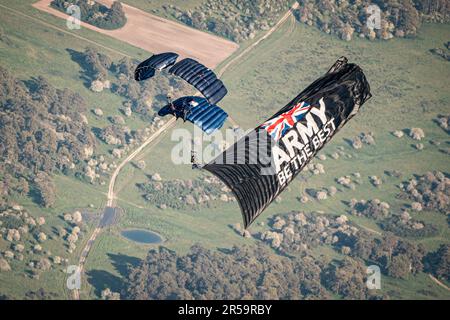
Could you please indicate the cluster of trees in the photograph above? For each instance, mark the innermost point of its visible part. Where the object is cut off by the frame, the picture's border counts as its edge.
(431, 190)
(43, 129)
(398, 18)
(347, 278)
(300, 232)
(396, 257)
(40, 294)
(258, 273)
(438, 262)
(23, 234)
(404, 226)
(24, 241)
(96, 64)
(113, 134)
(181, 194)
(45, 189)
(363, 138)
(238, 273)
(233, 19)
(10, 184)
(141, 97)
(374, 209)
(245, 273)
(95, 13)
(433, 10)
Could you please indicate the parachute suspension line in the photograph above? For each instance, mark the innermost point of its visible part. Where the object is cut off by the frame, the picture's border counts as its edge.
(194, 160)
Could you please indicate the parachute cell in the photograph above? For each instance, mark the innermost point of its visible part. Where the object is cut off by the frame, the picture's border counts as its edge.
(157, 62)
(293, 136)
(198, 111)
(202, 78)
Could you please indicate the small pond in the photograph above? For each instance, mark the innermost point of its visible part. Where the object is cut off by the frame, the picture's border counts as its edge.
(141, 236)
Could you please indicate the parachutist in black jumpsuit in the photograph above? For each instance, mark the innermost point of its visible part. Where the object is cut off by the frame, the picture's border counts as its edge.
(180, 112)
(185, 110)
(169, 99)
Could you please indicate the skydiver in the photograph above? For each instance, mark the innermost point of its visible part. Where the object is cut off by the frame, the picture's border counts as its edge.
(169, 99)
(194, 163)
(186, 109)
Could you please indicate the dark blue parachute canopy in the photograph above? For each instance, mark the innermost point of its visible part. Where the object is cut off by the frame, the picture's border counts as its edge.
(197, 110)
(157, 62)
(202, 78)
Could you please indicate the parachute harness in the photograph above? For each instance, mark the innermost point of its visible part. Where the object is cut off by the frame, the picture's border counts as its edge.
(195, 164)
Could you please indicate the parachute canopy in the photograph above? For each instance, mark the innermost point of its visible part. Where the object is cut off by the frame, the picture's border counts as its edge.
(292, 137)
(157, 62)
(202, 78)
(190, 70)
(198, 111)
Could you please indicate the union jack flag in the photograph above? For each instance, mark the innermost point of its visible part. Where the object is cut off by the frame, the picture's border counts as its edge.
(278, 126)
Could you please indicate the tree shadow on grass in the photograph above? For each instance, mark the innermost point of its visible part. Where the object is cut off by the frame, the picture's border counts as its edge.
(310, 192)
(32, 84)
(86, 74)
(97, 132)
(35, 195)
(102, 279)
(348, 141)
(123, 263)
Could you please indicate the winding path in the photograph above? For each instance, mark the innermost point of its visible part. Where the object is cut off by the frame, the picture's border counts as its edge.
(257, 42)
(111, 197)
(438, 282)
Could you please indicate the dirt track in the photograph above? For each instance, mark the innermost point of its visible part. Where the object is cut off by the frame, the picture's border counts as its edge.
(266, 35)
(155, 34)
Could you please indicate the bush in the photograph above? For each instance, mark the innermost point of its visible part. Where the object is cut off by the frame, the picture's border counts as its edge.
(411, 228)
(96, 14)
(233, 19)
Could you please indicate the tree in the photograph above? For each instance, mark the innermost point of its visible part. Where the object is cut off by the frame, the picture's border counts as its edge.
(414, 252)
(116, 16)
(400, 266)
(385, 248)
(46, 190)
(346, 278)
(438, 262)
(22, 186)
(96, 14)
(97, 64)
(42, 131)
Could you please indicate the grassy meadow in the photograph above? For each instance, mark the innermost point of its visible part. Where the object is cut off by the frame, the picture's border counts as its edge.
(409, 85)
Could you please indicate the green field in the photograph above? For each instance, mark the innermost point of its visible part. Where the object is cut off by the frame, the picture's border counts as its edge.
(409, 86)
(38, 49)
